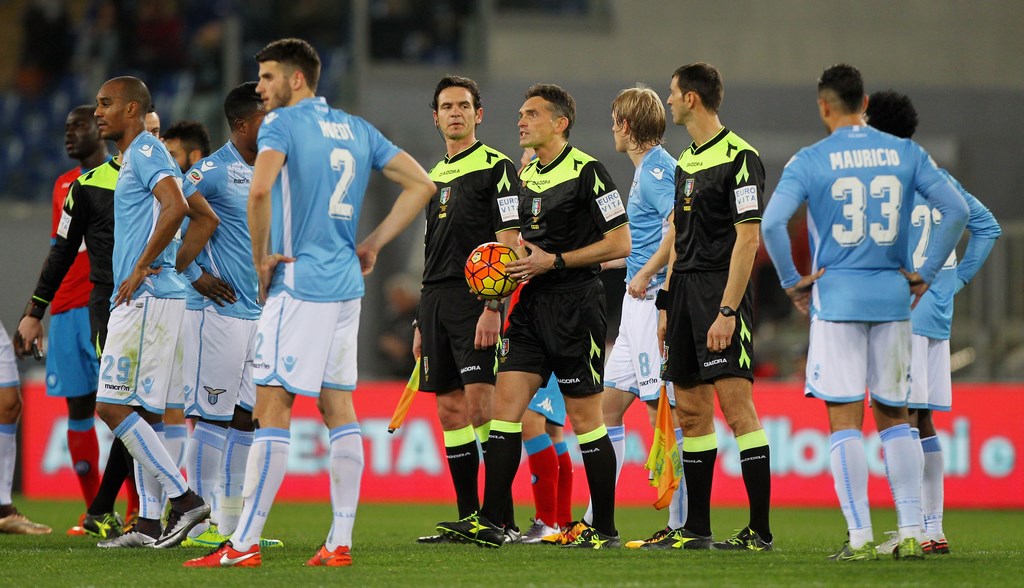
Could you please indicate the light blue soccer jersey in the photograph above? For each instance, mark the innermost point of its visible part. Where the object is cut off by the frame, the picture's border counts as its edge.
(143, 165)
(223, 179)
(859, 185)
(933, 315)
(318, 196)
(650, 202)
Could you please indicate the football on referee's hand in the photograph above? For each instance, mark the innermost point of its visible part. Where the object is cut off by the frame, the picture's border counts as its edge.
(486, 271)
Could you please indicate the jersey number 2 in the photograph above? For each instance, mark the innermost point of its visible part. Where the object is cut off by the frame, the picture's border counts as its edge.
(342, 160)
(853, 192)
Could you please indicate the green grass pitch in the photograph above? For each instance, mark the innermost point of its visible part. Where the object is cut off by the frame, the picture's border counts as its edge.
(385, 554)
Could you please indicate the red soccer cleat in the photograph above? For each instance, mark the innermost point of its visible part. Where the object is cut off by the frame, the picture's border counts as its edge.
(340, 557)
(226, 556)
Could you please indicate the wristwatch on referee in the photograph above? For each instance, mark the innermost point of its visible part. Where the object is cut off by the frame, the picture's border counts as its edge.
(559, 262)
(493, 305)
(727, 311)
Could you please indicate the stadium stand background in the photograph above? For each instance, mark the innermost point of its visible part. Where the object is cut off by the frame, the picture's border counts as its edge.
(959, 61)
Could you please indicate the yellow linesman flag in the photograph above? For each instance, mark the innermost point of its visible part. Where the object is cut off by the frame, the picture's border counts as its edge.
(405, 401)
(664, 460)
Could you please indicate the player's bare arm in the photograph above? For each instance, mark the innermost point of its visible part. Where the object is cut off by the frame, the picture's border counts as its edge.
(173, 208)
(268, 165)
(917, 285)
(613, 245)
(637, 287)
(669, 242)
(203, 221)
(800, 293)
(417, 188)
(740, 265)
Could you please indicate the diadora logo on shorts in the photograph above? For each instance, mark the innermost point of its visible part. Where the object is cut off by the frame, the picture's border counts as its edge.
(568, 380)
(289, 362)
(214, 393)
(147, 385)
(715, 362)
(470, 368)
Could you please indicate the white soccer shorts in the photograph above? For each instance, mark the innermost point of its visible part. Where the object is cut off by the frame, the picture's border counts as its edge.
(845, 358)
(8, 364)
(634, 364)
(305, 346)
(217, 364)
(142, 357)
(931, 385)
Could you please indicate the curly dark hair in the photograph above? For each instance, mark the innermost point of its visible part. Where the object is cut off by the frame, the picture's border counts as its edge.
(893, 113)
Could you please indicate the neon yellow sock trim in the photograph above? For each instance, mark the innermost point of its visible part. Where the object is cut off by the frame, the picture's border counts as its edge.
(506, 427)
(483, 431)
(696, 444)
(594, 435)
(752, 440)
(459, 436)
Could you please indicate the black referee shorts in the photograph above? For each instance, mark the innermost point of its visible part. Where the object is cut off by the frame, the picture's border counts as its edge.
(695, 302)
(560, 331)
(448, 359)
(99, 316)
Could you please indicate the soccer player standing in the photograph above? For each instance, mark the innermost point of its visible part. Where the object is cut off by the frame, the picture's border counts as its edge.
(571, 218)
(11, 521)
(138, 362)
(719, 182)
(456, 334)
(859, 184)
(307, 192)
(633, 370)
(222, 313)
(71, 366)
(931, 321)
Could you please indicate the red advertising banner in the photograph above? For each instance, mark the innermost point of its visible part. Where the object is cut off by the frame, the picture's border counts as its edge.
(980, 441)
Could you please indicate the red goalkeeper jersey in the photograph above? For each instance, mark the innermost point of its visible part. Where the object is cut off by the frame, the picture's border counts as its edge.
(74, 290)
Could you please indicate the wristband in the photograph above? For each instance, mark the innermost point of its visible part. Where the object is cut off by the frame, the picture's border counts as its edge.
(661, 301)
(36, 308)
(493, 305)
(193, 272)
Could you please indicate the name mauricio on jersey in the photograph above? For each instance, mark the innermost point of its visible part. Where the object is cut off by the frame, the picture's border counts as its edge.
(850, 158)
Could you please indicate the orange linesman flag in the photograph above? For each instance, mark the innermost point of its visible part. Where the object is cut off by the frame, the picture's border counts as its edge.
(406, 400)
(664, 460)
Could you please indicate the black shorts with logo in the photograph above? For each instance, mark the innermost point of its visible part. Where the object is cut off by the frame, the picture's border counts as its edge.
(561, 331)
(696, 298)
(448, 360)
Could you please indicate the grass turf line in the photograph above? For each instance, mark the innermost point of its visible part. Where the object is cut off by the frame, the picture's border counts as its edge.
(385, 554)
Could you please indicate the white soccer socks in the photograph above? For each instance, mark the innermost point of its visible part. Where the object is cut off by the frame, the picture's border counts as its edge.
(346, 475)
(268, 461)
(236, 454)
(850, 474)
(904, 469)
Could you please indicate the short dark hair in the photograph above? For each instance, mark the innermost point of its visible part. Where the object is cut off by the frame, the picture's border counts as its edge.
(703, 79)
(191, 133)
(242, 102)
(458, 82)
(295, 53)
(846, 83)
(893, 113)
(562, 103)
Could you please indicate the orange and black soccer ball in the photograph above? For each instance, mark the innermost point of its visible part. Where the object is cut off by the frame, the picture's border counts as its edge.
(486, 271)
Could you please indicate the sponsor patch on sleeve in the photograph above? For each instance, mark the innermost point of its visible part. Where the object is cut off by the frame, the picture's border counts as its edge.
(64, 224)
(611, 205)
(746, 199)
(195, 176)
(508, 206)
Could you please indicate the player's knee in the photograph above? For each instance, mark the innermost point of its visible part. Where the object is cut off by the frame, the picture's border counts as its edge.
(81, 407)
(10, 407)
